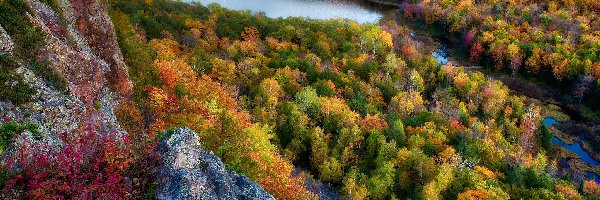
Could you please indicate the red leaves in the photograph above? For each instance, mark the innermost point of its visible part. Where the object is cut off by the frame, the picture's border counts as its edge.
(409, 12)
(476, 51)
(168, 77)
(469, 37)
(410, 52)
(498, 53)
(90, 166)
(456, 125)
(371, 122)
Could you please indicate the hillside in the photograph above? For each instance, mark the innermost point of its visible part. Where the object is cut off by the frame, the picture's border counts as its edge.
(160, 99)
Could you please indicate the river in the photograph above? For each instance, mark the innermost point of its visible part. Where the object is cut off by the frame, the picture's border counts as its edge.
(575, 148)
(314, 9)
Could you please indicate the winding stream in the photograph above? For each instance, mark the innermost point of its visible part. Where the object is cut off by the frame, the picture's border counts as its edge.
(575, 147)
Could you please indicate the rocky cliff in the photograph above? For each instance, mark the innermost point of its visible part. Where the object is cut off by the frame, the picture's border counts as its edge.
(87, 67)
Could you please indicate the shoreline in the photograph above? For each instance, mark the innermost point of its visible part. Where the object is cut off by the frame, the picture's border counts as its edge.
(384, 2)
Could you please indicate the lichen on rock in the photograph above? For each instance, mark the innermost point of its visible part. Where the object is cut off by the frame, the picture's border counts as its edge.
(188, 172)
(6, 44)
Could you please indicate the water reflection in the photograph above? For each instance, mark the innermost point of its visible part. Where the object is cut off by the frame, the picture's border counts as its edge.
(575, 147)
(441, 54)
(315, 9)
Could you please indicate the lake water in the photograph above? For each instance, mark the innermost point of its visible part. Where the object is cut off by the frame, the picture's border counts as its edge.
(314, 9)
(575, 147)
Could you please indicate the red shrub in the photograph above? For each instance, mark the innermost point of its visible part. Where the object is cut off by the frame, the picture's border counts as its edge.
(470, 36)
(476, 51)
(89, 166)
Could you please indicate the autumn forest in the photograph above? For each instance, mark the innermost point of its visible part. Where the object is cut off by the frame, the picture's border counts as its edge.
(361, 109)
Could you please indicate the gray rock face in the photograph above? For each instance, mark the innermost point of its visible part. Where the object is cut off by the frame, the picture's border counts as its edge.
(6, 44)
(188, 172)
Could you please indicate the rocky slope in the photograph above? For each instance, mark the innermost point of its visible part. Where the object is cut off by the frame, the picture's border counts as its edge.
(90, 98)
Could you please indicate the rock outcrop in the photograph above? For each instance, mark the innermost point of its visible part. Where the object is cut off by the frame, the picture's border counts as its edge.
(6, 44)
(89, 101)
(188, 172)
(93, 22)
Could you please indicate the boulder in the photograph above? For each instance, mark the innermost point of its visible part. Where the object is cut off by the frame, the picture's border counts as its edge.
(188, 172)
(6, 44)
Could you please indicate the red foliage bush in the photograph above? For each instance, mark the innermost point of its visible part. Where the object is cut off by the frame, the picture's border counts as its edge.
(88, 166)
(469, 37)
(476, 51)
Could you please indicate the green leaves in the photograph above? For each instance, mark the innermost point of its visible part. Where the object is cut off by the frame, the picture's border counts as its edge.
(10, 129)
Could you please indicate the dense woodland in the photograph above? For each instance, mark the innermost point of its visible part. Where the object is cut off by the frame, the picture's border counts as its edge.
(554, 42)
(351, 105)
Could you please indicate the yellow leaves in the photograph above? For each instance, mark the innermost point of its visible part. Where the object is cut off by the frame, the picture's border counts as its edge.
(559, 64)
(466, 5)
(280, 45)
(448, 155)
(166, 49)
(353, 188)
(407, 103)
(266, 165)
(596, 70)
(192, 23)
(338, 107)
(376, 40)
(552, 6)
(403, 155)
(386, 39)
(460, 80)
(487, 193)
(250, 34)
(446, 3)
(533, 63)
(223, 70)
(559, 69)
(269, 94)
(540, 162)
(485, 173)
(474, 195)
(512, 50)
(430, 192)
(487, 37)
(361, 59)
(245, 47)
(158, 99)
